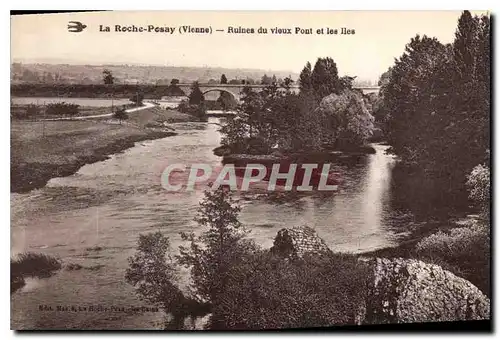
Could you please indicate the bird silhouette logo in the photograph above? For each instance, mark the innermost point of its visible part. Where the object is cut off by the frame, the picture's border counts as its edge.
(76, 26)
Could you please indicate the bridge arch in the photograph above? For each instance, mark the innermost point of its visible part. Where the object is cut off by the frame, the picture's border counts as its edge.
(236, 97)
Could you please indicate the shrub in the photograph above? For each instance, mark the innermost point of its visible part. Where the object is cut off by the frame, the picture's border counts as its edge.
(120, 114)
(266, 291)
(478, 183)
(62, 109)
(197, 110)
(152, 271)
(465, 249)
(30, 111)
(346, 118)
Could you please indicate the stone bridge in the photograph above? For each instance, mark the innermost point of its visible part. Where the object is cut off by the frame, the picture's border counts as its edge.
(236, 89)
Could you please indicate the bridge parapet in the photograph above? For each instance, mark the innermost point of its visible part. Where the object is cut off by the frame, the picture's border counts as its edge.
(236, 89)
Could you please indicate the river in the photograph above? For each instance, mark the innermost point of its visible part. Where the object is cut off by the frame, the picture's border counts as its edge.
(93, 218)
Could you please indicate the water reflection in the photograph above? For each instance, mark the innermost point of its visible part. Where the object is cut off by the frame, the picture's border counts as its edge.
(356, 218)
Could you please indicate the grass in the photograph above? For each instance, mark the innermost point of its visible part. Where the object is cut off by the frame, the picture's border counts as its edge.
(31, 265)
(43, 150)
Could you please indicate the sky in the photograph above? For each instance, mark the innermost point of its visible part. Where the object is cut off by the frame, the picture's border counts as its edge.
(380, 36)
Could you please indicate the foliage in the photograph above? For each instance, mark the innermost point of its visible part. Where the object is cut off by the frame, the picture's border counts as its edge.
(95, 90)
(212, 254)
(107, 77)
(226, 101)
(464, 251)
(287, 83)
(385, 78)
(137, 98)
(266, 80)
(281, 120)
(436, 105)
(152, 272)
(346, 119)
(31, 265)
(324, 78)
(198, 111)
(346, 82)
(267, 292)
(30, 111)
(61, 109)
(196, 96)
(223, 79)
(478, 183)
(120, 114)
(305, 84)
(275, 117)
(33, 110)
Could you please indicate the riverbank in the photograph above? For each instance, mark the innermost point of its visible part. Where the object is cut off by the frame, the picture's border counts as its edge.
(65, 146)
(44, 150)
(459, 245)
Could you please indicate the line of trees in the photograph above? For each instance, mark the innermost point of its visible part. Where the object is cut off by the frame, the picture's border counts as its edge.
(435, 108)
(326, 114)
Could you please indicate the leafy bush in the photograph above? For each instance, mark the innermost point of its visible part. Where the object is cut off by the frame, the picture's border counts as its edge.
(197, 110)
(30, 111)
(62, 109)
(152, 271)
(265, 291)
(33, 111)
(478, 183)
(120, 114)
(226, 101)
(466, 250)
(346, 119)
(196, 96)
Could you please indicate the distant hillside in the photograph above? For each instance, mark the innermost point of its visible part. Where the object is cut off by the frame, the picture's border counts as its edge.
(132, 74)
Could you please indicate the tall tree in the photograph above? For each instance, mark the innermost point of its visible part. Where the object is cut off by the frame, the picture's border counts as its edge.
(196, 96)
(223, 79)
(305, 82)
(465, 44)
(437, 104)
(107, 77)
(287, 83)
(212, 254)
(266, 80)
(325, 78)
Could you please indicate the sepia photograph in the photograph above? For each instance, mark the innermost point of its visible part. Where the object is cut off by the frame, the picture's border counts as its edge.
(250, 170)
